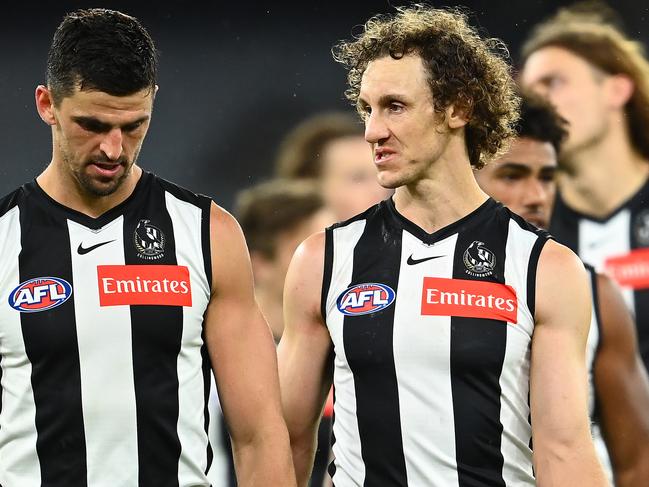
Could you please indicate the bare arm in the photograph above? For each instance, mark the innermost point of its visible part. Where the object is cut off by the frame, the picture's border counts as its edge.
(305, 361)
(243, 356)
(622, 389)
(563, 450)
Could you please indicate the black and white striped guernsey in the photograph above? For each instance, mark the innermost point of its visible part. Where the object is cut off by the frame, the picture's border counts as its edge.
(432, 338)
(617, 245)
(105, 373)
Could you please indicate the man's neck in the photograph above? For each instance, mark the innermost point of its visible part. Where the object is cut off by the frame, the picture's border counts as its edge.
(449, 193)
(62, 189)
(602, 177)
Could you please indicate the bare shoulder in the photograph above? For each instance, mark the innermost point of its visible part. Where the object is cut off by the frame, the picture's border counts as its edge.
(555, 256)
(302, 289)
(230, 258)
(561, 284)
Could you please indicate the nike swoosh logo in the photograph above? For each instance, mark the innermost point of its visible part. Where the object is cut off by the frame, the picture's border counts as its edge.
(81, 250)
(412, 261)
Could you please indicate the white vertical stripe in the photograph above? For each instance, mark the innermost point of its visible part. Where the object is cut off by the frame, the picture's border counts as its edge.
(186, 220)
(599, 241)
(350, 469)
(219, 472)
(422, 357)
(18, 458)
(515, 376)
(106, 361)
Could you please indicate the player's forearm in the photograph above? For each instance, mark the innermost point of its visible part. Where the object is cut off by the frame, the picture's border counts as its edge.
(303, 451)
(264, 459)
(567, 465)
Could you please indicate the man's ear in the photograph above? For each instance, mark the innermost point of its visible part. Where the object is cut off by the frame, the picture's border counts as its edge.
(45, 104)
(620, 89)
(457, 115)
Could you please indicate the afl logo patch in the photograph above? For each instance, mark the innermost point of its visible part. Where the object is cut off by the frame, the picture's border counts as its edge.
(479, 260)
(149, 241)
(39, 294)
(363, 299)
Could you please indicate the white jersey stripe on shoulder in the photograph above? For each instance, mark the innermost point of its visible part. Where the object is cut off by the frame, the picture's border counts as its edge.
(108, 398)
(514, 379)
(425, 436)
(345, 428)
(186, 221)
(17, 417)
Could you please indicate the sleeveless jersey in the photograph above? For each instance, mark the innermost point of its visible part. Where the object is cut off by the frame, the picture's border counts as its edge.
(617, 245)
(105, 373)
(432, 338)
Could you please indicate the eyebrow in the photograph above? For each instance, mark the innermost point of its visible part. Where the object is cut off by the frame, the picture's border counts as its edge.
(385, 99)
(517, 166)
(100, 126)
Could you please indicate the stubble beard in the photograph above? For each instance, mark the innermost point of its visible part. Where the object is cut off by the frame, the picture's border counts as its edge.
(94, 187)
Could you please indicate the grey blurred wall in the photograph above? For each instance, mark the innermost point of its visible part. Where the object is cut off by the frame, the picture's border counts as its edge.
(234, 77)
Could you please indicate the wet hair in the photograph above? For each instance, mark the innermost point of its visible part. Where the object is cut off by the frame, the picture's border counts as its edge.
(300, 152)
(102, 50)
(590, 34)
(540, 121)
(463, 69)
(274, 207)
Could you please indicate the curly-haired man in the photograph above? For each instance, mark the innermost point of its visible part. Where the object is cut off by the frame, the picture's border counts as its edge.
(442, 319)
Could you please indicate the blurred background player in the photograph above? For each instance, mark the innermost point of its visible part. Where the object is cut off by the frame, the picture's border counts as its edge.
(598, 80)
(276, 216)
(523, 179)
(329, 148)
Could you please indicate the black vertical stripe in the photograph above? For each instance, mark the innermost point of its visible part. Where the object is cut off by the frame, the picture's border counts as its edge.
(206, 207)
(156, 335)
(476, 359)
(52, 348)
(531, 274)
(368, 341)
(207, 386)
(328, 269)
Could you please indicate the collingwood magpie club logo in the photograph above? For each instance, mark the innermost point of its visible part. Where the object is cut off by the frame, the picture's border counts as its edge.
(149, 241)
(641, 228)
(479, 260)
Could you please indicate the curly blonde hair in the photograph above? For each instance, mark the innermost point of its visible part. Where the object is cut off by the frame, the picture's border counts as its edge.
(590, 35)
(463, 69)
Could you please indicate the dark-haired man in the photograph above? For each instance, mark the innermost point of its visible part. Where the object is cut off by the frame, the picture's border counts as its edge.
(118, 287)
(523, 179)
(424, 309)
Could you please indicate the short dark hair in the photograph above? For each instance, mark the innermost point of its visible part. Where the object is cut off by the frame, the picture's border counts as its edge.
(300, 152)
(273, 207)
(463, 69)
(540, 121)
(103, 50)
(591, 33)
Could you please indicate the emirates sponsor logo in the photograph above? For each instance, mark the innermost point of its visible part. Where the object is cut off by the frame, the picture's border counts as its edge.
(470, 299)
(630, 270)
(166, 285)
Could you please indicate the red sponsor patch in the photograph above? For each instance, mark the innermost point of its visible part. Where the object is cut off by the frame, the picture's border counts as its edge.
(166, 285)
(630, 270)
(468, 298)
